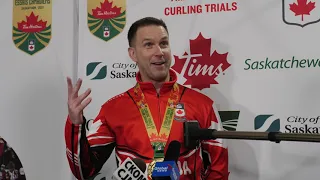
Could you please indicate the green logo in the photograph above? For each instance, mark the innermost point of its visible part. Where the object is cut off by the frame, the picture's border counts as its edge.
(229, 119)
(260, 121)
(106, 18)
(93, 66)
(32, 25)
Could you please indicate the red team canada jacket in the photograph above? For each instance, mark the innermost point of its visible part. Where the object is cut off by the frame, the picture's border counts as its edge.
(119, 125)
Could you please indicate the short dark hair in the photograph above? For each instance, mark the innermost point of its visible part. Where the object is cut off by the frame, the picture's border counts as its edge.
(141, 23)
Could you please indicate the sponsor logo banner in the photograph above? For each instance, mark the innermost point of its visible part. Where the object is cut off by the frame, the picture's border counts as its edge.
(31, 25)
(106, 18)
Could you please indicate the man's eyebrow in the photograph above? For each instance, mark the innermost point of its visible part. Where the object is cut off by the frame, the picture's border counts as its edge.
(165, 38)
(149, 39)
(146, 39)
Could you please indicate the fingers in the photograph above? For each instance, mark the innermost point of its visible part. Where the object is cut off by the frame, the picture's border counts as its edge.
(69, 86)
(82, 97)
(85, 104)
(75, 103)
(73, 91)
(76, 88)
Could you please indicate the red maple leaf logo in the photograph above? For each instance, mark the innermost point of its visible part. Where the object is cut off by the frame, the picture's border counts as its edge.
(32, 25)
(163, 138)
(179, 111)
(153, 136)
(200, 66)
(106, 11)
(173, 96)
(302, 8)
(138, 97)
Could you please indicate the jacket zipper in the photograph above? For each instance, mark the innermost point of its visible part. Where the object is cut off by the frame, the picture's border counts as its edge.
(159, 110)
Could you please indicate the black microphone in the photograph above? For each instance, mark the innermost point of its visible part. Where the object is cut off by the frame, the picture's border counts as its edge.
(168, 170)
(140, 163)
(173, 151)
(193, 133)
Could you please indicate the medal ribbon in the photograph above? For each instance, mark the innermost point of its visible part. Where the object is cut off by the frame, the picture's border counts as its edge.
(158, 140)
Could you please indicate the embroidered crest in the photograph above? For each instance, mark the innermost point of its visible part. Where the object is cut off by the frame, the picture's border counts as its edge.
(180, 113)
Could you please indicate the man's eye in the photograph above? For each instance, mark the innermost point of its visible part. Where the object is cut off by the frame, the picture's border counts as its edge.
(164, 43)
(148, 44)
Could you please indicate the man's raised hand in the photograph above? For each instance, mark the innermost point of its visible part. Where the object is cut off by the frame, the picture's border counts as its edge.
(76, 103)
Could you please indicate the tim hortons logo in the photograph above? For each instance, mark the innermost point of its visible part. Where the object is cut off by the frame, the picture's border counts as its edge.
(106, 19)
(200, 67)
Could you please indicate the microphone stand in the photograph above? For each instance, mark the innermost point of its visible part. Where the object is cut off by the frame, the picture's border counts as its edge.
(193, 133)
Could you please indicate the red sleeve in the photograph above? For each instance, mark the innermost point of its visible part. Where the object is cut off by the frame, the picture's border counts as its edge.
(88, 150)
(216, 151)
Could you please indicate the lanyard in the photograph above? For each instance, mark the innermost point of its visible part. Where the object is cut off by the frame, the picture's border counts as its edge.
(158, 140)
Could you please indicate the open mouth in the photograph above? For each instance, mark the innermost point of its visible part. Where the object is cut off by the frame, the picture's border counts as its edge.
(158, 63)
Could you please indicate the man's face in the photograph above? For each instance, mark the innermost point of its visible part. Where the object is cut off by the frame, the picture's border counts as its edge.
(152, 53)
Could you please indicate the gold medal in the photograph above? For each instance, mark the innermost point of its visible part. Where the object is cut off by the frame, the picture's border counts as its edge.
(152, 164)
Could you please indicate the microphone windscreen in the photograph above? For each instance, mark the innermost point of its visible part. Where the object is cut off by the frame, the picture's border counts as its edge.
(130, 169)
(140, 163)
(173, 151)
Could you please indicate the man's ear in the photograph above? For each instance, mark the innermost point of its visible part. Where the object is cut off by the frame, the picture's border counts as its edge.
(132, 54)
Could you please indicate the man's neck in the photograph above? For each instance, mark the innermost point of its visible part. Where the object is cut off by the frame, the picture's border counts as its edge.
(157, 84)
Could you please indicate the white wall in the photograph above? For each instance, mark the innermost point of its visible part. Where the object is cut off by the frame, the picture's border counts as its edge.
(33, 104)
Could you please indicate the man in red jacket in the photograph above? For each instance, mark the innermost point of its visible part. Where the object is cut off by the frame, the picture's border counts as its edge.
(141, 122)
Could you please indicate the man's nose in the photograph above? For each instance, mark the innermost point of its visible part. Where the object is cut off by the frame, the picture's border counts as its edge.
(159, 51)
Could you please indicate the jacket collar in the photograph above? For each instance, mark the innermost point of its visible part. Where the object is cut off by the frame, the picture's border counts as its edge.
(147, 87)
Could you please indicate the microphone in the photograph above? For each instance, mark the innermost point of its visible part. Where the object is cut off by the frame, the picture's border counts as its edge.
(168, 170)
(140, 163)
(131, 169)
(193, 133)
(173, 151)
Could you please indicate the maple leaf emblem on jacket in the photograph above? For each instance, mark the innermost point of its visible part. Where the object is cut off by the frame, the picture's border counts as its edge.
(200, 67)
(302, 7)
(94, 128)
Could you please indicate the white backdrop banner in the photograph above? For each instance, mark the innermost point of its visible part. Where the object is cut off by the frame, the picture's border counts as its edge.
(258, 60)
(36, 55)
